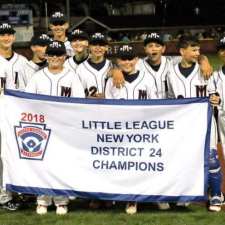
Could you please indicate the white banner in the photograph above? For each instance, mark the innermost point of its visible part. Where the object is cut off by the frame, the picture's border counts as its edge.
(153, 150)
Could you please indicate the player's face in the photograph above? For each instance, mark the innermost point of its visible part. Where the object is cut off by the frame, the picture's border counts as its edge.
(221, 54)
(58, 29)
(79, 46)
(39, 51)
(6, 40)
(55, 62)
(98, 50)
(154, 51)
(127, 66)
(190, 54)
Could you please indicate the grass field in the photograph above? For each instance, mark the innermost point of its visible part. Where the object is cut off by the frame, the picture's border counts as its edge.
(80, 214)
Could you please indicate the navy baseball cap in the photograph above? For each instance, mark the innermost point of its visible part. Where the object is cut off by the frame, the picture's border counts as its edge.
(153, 37)
(6, 28)
(41, 40)
(78, 35)
(56, 48)
(98, 39)
(126, 52)
(57, 18)
(221, 43)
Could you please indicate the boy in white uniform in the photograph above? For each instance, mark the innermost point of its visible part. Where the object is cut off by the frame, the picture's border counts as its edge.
(94, 71)
(59, 25)
(79, 42)
(16, 62)
(186, 81)
(55, 80)
(38, 45)
(217, 85)
(138, 85)
(12, 78)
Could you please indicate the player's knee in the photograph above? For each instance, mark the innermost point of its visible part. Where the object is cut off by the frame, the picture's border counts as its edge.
(214, 163)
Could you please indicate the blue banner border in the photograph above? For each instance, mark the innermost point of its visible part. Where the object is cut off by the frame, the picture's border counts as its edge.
(104, 196)
(20, 94)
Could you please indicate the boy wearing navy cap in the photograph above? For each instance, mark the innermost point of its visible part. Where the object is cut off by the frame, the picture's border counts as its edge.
(94, 71)
(59, 25)
(55, 80)
(15, 62)
(138, 85)
(79, 42)
(38, 45)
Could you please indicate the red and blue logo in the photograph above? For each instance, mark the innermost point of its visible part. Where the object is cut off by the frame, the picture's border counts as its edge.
(32, 140)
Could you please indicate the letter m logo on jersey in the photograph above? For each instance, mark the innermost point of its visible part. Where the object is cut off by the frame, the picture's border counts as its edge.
(201, 90)
(32, 140)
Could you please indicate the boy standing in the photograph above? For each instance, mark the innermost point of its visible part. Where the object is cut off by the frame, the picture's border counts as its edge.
(186, 81)
(55, 80)
(138, 85)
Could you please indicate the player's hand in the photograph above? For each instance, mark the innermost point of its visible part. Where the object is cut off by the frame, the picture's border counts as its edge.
(118, 78)
(205, 67)
(214, 99)
(97, 96)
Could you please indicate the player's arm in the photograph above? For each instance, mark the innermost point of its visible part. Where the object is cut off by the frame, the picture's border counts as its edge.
(151, 88)
(31, 86)
(108, 88)
(214, 96)
(117, 77)
(170, 91)
(205, 67)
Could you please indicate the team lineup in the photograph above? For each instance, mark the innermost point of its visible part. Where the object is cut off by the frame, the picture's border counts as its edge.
(76, 66)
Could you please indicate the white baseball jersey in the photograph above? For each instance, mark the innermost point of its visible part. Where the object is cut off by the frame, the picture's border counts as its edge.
(194, 85)
(160, 76)
(142, 88)
(15, 78)
(66, 84)
(69, 49)
(71, 64)
(3, 67)
(29, 70)
(217, 84)
(93, 80)
(180, 86)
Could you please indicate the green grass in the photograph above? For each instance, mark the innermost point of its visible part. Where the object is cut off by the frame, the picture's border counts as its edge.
(80, 214)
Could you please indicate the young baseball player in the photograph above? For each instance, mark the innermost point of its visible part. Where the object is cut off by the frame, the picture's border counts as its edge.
(94, 71)
(59, 25)
(185, 81)
(38, 45)
(57, 81)
(217, 84)
(16, 62)
(155, 63)
(13, 78)
(79, 42)
(138, 85)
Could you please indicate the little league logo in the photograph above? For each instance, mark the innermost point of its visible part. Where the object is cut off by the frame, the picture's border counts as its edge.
(32, 140)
